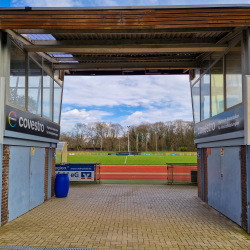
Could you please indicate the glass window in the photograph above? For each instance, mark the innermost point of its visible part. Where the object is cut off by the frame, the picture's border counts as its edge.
(47, 96)
(196, 101)
(197, 75)
(233, 78)
(57, 102)
(47, 65)
(57, 76)
(17, 76)
(217, 88)
(34, 88)
(205, 96)
(205, 65)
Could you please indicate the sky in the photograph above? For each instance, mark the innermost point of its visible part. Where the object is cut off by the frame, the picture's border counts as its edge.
(129, 100)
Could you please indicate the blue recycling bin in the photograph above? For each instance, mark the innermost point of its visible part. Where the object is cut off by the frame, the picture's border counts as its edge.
(62, 185)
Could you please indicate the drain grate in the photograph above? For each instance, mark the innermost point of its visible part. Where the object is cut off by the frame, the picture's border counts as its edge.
(48, 248)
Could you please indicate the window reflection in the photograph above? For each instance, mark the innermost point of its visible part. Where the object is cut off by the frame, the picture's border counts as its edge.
(34, 90)
(47, 96)
(57, 102)
(217, 88)
(196, 101)
(205, 96)
(233, 78)
(197, 75)
(17, 76)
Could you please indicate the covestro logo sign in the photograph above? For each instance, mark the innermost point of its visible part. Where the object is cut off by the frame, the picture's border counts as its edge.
(12, 119)
(27, 123)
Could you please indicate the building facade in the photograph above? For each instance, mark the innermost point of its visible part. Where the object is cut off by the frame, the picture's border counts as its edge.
(30, 95)
(220, 99)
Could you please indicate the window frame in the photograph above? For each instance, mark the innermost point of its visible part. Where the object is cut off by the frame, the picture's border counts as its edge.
(208, 70)
(28, 55)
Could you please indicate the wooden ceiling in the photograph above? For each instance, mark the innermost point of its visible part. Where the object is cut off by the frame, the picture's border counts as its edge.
(126, 40)
(125, 18)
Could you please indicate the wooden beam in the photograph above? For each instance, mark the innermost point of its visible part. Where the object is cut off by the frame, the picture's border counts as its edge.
(125, 49)
(124, 58)
(126, 41)
(126, 65)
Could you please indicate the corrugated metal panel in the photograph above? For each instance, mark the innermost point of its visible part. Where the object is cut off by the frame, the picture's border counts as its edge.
(155, 35)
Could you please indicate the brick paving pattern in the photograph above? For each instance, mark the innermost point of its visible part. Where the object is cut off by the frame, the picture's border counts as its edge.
(112, 216)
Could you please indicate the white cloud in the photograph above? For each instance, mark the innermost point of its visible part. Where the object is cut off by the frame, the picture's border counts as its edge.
(73, 116)
(131, 91)
(156, 114)
(80, 3)
(162, 98)
(47, 3)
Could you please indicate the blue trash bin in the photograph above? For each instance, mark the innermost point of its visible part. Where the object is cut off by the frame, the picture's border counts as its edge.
(62, 185)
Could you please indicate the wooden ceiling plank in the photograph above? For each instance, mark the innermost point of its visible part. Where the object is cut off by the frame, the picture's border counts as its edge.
(127, 41)
(126, 65)
(125, 31)
(125, 49)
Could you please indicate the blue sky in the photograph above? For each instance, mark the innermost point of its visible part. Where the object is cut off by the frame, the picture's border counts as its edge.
(65, 3)
(125, 99)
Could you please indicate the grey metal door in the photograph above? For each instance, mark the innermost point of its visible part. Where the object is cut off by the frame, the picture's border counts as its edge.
(231, 184)
(37, 172)
(214, 178)
(224, 182)
(19, 171)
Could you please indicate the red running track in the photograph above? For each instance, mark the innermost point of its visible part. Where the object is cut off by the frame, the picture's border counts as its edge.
(180, 173)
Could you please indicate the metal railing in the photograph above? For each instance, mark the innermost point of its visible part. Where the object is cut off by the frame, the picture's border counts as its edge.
(170, 170)
(98, 165)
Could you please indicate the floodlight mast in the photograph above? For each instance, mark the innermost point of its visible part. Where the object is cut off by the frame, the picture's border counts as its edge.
(156, 141)
(128, 138)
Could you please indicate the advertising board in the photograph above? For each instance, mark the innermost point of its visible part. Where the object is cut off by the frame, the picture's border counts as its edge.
(23, 122)
(227, 122)
(77, 172)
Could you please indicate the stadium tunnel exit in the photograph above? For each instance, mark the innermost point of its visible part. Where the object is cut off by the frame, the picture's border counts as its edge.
(38, 46)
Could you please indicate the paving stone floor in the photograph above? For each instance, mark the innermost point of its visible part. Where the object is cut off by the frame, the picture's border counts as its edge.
(110, 216)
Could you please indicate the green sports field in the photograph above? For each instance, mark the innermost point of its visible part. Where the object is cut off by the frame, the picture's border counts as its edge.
(133, 160)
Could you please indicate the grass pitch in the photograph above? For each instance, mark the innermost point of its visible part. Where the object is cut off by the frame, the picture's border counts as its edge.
(133, 160)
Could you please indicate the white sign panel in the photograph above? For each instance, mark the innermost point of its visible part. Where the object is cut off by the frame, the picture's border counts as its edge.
(77, 172)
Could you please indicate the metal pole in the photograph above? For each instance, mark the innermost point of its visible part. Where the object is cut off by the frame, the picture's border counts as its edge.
(137, 142)
(119, 146)
(146, 144)
(101, 143)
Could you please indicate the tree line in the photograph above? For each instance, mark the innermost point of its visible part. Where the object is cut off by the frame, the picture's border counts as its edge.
(105, 136)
